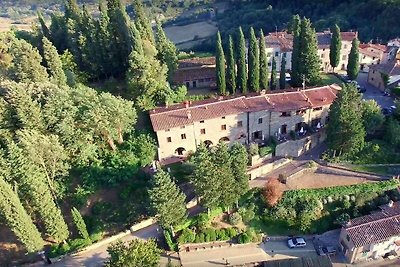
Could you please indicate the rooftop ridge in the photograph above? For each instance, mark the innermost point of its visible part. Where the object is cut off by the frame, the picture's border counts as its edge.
(388, 217)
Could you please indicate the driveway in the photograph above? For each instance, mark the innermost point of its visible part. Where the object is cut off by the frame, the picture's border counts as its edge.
(373, 92)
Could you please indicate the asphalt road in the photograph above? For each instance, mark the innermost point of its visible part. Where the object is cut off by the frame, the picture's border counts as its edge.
(374, 93)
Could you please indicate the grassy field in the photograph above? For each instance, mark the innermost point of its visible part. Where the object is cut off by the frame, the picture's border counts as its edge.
(6, 24)
(190, 32)
(327, 79)
(384, 170)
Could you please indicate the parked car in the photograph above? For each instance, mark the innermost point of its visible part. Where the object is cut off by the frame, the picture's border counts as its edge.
(321, 251)
(296, 242)
(288, 78)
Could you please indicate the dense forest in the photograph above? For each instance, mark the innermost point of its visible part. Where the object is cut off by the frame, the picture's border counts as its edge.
(373, 19)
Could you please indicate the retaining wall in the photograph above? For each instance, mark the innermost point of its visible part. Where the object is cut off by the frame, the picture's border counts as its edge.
(266, 168)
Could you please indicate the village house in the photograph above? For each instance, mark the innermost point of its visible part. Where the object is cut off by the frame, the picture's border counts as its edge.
(372, 54)
(280, 45)
(254, 118)
(196, 73)
(377, 74)
(372, 236)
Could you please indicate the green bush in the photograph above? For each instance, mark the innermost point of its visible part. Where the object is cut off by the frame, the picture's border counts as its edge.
(221, 234)
(200, 238)
(231, 232)
(201, 220)
(396, 91)
(244, 238)
(247, 213)
(100, 208)
(59, 249)
(253, 149)
(265, 150)
(79, 243)
(235, 218)
(169, 240)
(186, 236)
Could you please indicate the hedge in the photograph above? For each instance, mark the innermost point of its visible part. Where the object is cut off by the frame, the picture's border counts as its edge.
(207, 235)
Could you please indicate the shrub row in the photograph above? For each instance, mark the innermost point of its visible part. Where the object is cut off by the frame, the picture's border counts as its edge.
(207, 235)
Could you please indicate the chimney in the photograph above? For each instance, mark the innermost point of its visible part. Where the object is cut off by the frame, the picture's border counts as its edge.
(390, 204)
(186, 104)
(189, 115)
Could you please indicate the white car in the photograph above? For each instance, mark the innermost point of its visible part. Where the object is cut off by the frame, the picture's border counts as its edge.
(296, 242)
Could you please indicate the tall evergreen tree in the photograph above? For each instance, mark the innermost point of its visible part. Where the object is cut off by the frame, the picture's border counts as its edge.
(16, 218)
(206, 183)
(239, 160)
(254, 63)
(308, 60)
(53, 63)
(273, 82)
(296, 79)
(282, 74)
(264, 77)
(105, 42)
(345, 132)
(353, 65)
(231, 67)
(220, 67)
(79, 223)
(241, 63)
(43, 26)
(166, 49)
(58, 31)
(222, 162)
(335, 47)
(167, 200)
(142, 23)
(34, 187)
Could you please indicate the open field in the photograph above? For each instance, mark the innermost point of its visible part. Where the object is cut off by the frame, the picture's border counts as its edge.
(191, 32)
(6, 24)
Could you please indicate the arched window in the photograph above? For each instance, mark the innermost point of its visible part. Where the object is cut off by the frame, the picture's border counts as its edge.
(208, 143)
(224, 139)
(180, 151)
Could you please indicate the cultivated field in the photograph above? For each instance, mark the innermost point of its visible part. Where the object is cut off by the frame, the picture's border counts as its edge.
(191, 32)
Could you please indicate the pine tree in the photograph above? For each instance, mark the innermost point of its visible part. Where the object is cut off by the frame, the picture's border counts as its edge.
(79, 223)
(308, 60)
(353, 65)
(335, 47)
(241, 63)
(167, 53)
(254, 63)
(53, 63)
(33, 186)
(282, 74)
(206, 183)
(345, 132)
(231, 68)
(16, 218)
(142, 23)
(26, 65)
(296, 79)
(220, 67)
(264, 77)
(167, 200)
(273, 81)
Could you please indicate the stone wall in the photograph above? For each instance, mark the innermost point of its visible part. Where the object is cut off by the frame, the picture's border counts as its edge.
(296, 148)
(262, 170)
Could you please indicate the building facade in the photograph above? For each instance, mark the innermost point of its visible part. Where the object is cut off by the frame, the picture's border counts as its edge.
(372, 236)
(255, 118)
(372, 54)
(196, 73)
(377, 72)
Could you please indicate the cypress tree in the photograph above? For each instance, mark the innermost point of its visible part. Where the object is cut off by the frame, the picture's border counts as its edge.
(282, 77)
(353, 65)
(53, 63)
(167, 200)
(137, 41)
(35, 188)
(239, 160)
(58, 30)
(335, 47)
(106, 42)
(254, 63)
(308, 60)
(142, 23)
(17, 219)
(79, 223)
(220, 67)
(345, 131)
(296, 79)
(241, 63)
(273, 75)
(264, 77)
(167, 53)
(231, 70)
(45, 29)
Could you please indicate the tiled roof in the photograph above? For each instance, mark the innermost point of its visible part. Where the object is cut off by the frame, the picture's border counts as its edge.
(196, 62)
(369, 53)
(180, 114)
(183, 75)
(379, 47)
(391, 69)
(285, 40)
(376, 227)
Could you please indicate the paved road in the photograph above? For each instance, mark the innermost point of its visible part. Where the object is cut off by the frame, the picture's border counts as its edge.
(374, 93)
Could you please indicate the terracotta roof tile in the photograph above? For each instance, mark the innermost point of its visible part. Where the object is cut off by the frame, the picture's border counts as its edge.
(392, 69)
(183, 75)
(178, 115)
(375, 227)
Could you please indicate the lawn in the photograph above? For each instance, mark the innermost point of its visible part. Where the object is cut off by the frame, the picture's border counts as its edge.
(384, 170)
(327, 79)
(271, 226)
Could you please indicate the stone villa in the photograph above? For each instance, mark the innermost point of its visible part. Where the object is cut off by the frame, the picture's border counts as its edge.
(196, 73)
(182, 127)
(372, 236)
